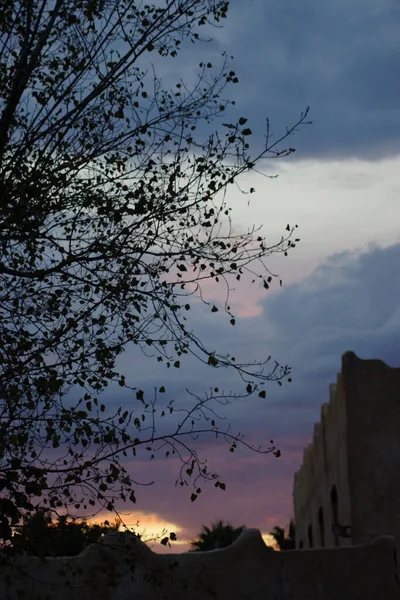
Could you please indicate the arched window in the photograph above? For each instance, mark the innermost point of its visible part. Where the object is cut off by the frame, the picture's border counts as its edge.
(321, 525)
(335, 510)
(310, 537)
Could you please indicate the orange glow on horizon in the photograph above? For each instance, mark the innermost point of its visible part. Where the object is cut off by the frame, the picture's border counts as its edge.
(269, 541)
(152, 528)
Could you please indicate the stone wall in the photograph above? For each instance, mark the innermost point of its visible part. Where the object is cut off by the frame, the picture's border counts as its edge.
(351, 470)
(247, 570)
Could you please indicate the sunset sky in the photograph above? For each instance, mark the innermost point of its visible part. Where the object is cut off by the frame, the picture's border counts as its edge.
(341, 284)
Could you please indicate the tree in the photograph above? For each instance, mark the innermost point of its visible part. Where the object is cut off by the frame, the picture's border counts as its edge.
(283, 541)
(112, 214)
(220, 535)
(40, 536)
(291, 539)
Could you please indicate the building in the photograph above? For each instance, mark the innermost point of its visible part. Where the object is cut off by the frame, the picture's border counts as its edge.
(350, 476)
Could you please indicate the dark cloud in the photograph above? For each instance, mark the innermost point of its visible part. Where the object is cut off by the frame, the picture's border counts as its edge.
(340, 58)
(350, 302)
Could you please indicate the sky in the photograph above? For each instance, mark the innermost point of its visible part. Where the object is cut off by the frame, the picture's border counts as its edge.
(341, 284)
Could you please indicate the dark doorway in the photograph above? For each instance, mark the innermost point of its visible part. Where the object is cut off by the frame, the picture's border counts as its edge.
(335, 510)
(310, 537)
(321, 525)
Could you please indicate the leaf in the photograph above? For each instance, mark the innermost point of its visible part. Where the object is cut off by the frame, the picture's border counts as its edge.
(193, 497)
(214, 309)
(242, 121)
(119, 114)
(247, 131)
(162, 390)
(249, 389)
(212, 361)
(172, 536)
(177, 364)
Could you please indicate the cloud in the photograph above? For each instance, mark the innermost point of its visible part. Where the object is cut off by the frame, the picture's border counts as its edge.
(351, 301)
(340, 59)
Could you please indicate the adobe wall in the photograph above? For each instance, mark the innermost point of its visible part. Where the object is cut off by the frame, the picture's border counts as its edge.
(324, 469)
(356, 449)
(247, 570)
(373, 413)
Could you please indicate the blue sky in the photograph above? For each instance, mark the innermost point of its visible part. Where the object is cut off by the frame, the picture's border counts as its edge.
(341, 285)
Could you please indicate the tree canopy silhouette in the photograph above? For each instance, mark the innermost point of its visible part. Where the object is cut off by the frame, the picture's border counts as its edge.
(39, 535)
(113, 213)
(285, 540)
(219, 535)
